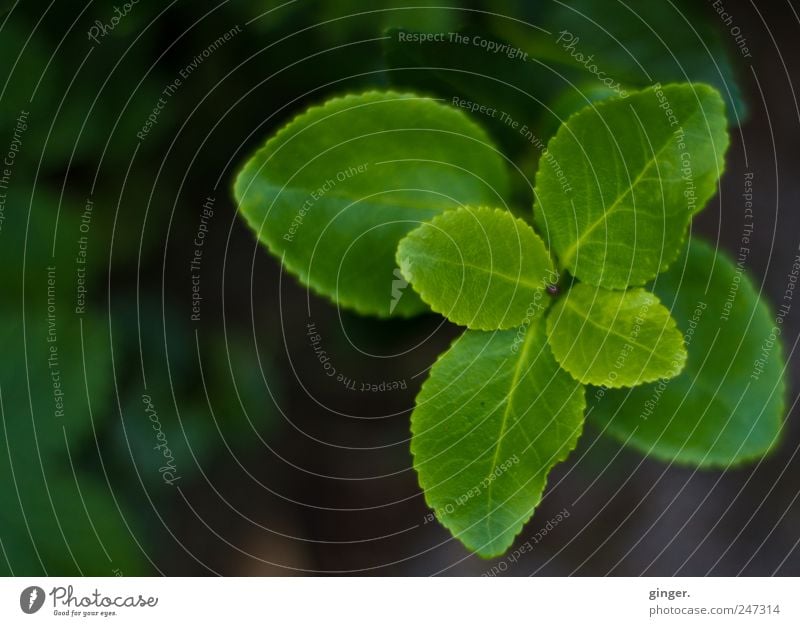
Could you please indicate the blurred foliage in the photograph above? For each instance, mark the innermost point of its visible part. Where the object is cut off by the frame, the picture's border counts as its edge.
(638, 42)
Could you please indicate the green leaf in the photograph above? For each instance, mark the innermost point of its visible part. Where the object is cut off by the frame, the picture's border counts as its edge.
(615, 338)
(336, 189)
(491, 421)
(728, 404)
(481, 268)
(623, 178)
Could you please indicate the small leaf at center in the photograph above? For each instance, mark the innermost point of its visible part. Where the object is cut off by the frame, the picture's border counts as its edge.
(481, 268)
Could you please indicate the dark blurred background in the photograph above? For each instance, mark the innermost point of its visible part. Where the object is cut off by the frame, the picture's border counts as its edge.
(149, 441)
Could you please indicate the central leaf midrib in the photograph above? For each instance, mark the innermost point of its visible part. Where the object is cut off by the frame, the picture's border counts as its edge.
(523, 356)
(353, 199)
(519, 280)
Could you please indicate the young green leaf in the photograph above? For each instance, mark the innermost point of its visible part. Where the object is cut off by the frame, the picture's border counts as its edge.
(335, 190)
(622, 179)
(727, 406)
(615, 338)
(481, 268)
(491, 421)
